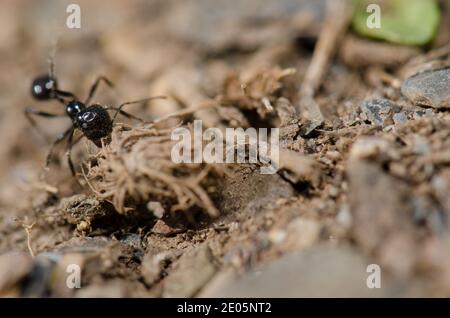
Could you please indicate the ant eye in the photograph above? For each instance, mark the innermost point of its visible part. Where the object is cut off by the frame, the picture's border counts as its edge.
(37, 89)
(49, 84)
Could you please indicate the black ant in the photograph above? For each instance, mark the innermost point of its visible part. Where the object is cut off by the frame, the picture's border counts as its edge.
(93, 120)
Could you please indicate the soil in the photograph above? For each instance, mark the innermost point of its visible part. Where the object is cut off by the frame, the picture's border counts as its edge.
(366, 183)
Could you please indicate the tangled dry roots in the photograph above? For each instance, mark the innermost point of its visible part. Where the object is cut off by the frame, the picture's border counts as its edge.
(136, 168)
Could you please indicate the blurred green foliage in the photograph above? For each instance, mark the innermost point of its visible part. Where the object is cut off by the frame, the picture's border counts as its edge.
(410, 22)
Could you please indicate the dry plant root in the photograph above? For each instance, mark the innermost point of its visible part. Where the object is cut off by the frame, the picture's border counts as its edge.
(338, 18)
(136, 168)
(27, 228)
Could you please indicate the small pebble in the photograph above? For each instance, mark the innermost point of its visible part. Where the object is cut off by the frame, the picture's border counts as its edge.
(156, 208)
(190, 273)
(367, 146)
(344, 217)
(379, 111)
(333, 155)
(277, 236)
(302, 233)
(400, 118)
(423, 113)
(162, 228)
(421, 145)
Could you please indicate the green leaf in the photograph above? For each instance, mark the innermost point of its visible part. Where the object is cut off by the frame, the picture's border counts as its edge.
(411, 22)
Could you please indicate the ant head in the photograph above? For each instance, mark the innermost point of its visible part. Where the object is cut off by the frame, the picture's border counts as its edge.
(73, 108)
(43, 87)
(95, 123)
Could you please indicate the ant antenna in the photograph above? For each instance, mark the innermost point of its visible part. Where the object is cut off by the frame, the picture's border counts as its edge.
(59, 94)
(52, 57)
(51, 67)
(119, 108)
(51, 61)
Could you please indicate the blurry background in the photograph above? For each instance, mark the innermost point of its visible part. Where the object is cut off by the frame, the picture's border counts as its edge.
(146, 47)
(190, 50)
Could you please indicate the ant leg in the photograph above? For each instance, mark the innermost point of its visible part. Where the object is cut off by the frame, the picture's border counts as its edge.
(32, 111)
(94, 87)
(60, 94)
(119, 108)
(60, 138)
(70, 144)
(125, 114)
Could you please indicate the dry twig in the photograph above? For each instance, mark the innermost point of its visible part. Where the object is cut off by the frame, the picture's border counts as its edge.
(336, 22)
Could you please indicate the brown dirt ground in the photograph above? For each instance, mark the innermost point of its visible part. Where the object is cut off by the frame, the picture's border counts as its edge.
(379, 192)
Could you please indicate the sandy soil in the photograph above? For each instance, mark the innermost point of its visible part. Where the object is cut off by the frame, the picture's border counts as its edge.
(368, 184)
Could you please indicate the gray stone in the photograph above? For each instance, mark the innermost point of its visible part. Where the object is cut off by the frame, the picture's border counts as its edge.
(381, 212)
(427, 113)
(400, 118)
(369, 185)
(249, 192)
(429, 88)
(379, 111)
(322, 271)
(193, 270)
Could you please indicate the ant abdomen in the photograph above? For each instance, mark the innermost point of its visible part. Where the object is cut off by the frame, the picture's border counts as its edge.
(95, 123)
